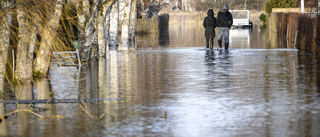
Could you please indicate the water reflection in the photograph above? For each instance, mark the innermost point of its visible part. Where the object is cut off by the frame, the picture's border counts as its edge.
(193, 36)
(3, 127)
(152, 40)
(23, 92)
(112, 85)
(227, 92)
(224, 63)
(250, 91)
(65, 78)
(273, 39)
(239, 38)
(210, 57)
(43, 90)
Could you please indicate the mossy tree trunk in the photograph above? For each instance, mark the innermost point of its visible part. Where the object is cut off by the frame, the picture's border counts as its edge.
(5, 21)
(48, 38)
(26, 44)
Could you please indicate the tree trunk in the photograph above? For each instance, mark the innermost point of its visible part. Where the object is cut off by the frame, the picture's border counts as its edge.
(104, 12)
(42, 61)
(121, 7)
(133, 19)
(88, 29)
(83, 13)
(44, 89)
(101, 32)
(5, 21)
(125, 25)
(93, 25)
(25, 48)
(114, 23)
(107, 27)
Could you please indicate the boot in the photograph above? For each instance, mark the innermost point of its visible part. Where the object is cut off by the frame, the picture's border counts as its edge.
(220, 43)
(207, 44)
(226, 46)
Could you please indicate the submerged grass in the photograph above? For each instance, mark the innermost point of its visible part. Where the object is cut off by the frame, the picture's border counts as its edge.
(84, 108)
(28, 110)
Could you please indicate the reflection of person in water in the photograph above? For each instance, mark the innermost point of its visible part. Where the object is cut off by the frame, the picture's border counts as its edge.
(210, 57)
(210, 23)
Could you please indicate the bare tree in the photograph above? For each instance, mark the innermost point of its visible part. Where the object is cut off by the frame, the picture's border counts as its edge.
(114, 25)
(48, 34)
(88, 38)
(26, 42)
(133, 19)
(102, 25)
(125, 24)
(5, 21)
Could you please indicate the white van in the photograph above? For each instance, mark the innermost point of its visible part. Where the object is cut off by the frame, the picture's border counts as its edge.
(241, 18)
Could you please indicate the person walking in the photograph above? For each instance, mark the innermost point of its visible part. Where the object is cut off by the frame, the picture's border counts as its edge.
(224, 21)
(210, 23)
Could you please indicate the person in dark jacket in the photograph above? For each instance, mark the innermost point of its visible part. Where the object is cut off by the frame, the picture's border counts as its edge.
(210, 23)
(225, 21)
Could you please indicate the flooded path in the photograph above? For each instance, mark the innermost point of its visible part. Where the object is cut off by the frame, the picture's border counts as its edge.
(176, 89)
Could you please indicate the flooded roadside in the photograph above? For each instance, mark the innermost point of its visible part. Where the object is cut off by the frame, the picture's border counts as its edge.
(179, 89)
(193, 36)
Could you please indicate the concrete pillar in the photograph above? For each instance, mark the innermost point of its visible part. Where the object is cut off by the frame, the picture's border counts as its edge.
(302, 6)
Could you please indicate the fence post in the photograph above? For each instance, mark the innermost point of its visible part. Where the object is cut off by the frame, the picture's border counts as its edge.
(79, 62)
(12, 50)
(76, 46)
(287, 34)
(295, 40)
(302, 6)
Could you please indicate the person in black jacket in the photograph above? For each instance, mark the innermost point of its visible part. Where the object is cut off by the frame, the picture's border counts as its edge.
(210, 23)
(225, 21)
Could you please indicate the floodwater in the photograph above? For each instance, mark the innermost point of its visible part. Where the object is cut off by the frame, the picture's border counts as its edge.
(170, 86)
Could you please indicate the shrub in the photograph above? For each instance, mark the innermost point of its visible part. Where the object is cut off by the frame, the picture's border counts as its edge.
(263, 17)
(269, 4)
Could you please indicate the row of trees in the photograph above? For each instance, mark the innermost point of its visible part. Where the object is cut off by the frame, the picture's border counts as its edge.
(33, 29)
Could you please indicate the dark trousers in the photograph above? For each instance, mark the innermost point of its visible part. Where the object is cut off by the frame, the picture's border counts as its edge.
(209, 43)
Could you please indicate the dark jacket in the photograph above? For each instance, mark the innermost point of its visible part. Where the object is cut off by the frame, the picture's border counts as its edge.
(210, 23)
(225, 19)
